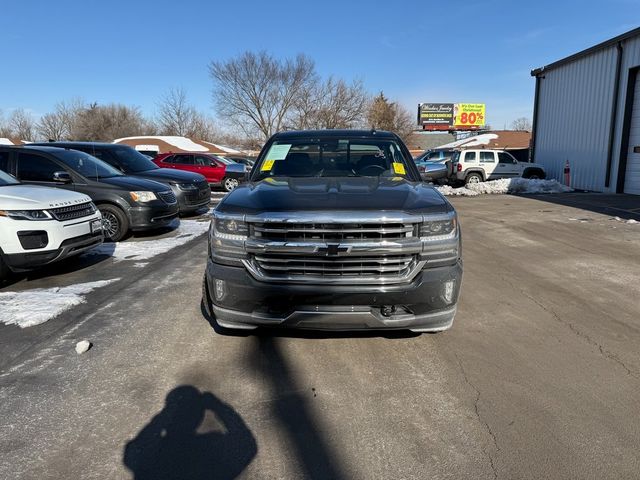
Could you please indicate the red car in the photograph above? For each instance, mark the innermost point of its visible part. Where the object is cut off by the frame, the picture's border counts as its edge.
(218, 171)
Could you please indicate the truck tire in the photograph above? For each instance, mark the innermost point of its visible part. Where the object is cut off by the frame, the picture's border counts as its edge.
(4, 270)
(533, 174)
(115, 223)
(473, 177)
(229, 183)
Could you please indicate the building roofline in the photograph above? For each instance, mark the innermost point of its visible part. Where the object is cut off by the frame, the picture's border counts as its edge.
(607, 43)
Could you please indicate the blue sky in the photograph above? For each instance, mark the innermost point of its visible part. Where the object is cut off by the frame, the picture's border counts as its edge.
(433, 51)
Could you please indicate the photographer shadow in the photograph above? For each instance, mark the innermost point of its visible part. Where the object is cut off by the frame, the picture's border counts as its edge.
(172, 445)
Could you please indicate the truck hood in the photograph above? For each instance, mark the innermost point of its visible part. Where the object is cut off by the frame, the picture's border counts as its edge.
(33, 197)
(333, 194)
(169, 175)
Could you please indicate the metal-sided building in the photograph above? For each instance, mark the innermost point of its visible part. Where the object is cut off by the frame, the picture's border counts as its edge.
(587, 111)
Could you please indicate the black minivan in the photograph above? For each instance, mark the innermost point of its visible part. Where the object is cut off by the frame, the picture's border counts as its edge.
(191, 189)
(126, 203)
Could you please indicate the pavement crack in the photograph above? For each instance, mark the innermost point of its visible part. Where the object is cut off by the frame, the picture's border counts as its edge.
(603, 351)
(480, 419)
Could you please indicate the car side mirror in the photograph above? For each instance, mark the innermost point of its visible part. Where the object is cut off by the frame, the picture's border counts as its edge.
(61, 177)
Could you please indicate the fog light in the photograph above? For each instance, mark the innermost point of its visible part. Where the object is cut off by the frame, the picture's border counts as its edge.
(219, 289)
(448, 289)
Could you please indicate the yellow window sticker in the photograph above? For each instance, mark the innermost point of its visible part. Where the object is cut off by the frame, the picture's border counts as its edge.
(267, 165)
(398, 168)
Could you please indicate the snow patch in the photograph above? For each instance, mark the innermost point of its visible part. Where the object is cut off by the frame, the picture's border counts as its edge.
(139, 251)
(82, 346)
(505, 185)
(477, 140)
(631, 221)
(224, 149)
(34, 307)
(183, 143)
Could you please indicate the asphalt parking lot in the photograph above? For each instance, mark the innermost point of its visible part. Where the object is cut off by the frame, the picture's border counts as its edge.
(538, 378)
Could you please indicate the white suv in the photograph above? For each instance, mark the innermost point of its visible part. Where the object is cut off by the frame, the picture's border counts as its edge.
(473, 166)
(40, 225)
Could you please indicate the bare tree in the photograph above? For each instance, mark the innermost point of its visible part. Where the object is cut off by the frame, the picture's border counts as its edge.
(522, 124)
(256, 92)
(108, 122)
(383, 114)
(22, 124)
(53, 126)
(5, 128)
(331, 104)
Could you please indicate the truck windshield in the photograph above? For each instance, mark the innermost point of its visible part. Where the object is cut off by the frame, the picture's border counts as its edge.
(133, 161)
(332, 157)
(86, 165)
(6, 179)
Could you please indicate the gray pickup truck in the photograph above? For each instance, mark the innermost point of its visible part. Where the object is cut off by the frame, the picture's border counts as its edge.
(334, 230)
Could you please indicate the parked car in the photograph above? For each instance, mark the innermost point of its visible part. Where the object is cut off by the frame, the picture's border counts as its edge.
(478, 165)
(126, 203)
(245, 161)
(334, 230)
(217, 170)
(191, 189)
(435, 165)
(40, 225)
(438, 155)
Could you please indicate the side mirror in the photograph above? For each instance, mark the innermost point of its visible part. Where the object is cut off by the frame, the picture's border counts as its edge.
(61, 177)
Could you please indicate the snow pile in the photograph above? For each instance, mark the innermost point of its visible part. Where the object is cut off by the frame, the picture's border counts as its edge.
(146, 249)
(33, 307)
(631, 221)
(505, 185)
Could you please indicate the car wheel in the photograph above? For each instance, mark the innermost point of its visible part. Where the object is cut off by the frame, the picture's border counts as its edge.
(115, 224)
(230, 183)
(473, 178)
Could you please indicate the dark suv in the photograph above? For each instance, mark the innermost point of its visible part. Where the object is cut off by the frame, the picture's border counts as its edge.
(126, 203)
(191, 189)
(334, 230)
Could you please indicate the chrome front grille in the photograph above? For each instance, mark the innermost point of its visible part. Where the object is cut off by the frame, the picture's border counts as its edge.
(72, 212)
(167, 197)
(391, 267)
(331, 232)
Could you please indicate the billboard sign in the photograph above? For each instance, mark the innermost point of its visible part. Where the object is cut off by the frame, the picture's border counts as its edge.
(468, 115)
(436, 116)
(451, 116)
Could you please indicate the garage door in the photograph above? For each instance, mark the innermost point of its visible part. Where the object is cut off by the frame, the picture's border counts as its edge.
(632, 176)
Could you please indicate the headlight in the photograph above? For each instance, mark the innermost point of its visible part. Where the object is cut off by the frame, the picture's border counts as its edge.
(26, 214)
(143, 196)
(188, 187)
(438, 229)
(230, 228)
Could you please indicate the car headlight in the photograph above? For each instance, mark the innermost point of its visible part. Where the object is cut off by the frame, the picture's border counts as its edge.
(143, 196)
(438, 229)
(188, 187)
(230, 228)
(26, 214)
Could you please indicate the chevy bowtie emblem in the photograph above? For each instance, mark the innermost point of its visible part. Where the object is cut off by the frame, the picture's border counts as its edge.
(333, 249)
